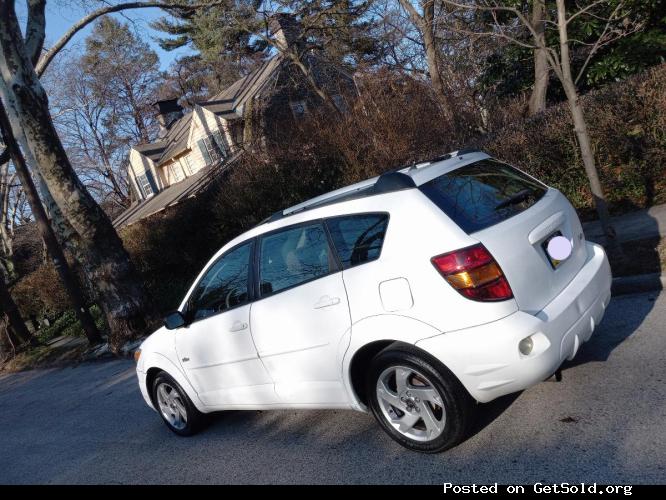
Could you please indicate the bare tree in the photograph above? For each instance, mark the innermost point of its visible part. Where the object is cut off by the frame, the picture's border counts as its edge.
(122, 298)
(7, 179)
(617, 25)
(47, 233)
(424, 20)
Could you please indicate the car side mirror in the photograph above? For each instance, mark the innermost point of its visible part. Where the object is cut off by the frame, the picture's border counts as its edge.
(174, 320)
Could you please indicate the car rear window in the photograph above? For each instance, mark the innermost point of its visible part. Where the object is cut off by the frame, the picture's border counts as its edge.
(483, 193)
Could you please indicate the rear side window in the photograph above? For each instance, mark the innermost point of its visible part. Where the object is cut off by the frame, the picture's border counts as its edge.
(358, 238)
(293, 257)
(483, 193)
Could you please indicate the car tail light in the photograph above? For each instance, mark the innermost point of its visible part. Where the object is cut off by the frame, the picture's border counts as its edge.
(474, 273)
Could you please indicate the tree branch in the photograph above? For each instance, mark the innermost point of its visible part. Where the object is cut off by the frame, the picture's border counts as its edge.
(585, 9)
(599, 43)
(35, 32)
(48, 56)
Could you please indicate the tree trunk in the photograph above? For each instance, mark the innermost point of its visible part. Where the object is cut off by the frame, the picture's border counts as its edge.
(580, 129)
(6, 238)
(21, 335)
(432, 56)
(426, 26)
(48, 236)
(121, 294)
(541, 70)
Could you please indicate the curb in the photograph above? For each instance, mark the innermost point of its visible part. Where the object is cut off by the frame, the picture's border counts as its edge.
(637, 284)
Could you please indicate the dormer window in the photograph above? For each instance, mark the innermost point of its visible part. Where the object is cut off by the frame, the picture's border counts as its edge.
(213, 148)
(145, 183)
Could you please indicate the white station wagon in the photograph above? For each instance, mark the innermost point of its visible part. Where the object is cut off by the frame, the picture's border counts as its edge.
(413, 295)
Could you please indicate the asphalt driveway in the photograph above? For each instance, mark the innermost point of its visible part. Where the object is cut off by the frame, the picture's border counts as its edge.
(604, 422)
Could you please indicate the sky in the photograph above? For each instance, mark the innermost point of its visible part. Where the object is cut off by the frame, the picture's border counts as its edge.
(61, 15)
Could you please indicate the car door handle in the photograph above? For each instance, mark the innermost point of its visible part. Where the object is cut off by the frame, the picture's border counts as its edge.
(238, 326)
(327, 301)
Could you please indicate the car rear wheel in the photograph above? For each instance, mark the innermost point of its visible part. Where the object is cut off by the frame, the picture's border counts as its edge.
(417, 400)
(174, 406)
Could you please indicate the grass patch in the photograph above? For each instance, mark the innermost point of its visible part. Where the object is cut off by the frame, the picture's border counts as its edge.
(45, 356)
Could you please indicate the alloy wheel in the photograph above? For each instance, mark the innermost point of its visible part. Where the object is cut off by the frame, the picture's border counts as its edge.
(410, 403)
(171, 406)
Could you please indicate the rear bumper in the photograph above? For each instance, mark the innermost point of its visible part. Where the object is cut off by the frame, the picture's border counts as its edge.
(486, 358)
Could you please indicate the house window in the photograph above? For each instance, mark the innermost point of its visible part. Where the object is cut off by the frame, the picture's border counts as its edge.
(187, 165)
(176, 172)
(213, 148)
(144, 183)
(298, 108)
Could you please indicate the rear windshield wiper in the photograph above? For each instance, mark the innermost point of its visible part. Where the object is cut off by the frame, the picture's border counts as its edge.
(519, 197)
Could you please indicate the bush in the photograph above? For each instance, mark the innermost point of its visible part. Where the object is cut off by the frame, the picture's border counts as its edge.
(40, 294)
(170, 247)
(627, 125)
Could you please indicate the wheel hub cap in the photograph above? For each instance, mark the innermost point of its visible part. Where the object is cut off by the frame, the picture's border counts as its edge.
(171, 406)
(410, 403)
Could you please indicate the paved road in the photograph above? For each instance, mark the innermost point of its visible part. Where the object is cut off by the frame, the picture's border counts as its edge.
(604, 423)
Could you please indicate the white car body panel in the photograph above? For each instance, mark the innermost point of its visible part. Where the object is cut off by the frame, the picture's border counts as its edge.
(301, 356)
(220, 360)
(295, 355)
(558, 331)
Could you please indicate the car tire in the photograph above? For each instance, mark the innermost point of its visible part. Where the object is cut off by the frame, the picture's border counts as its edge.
(175, 407)
(417, 400)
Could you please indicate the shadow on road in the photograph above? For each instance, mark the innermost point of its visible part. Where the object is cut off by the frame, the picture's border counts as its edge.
(487, 413)
(617, 326)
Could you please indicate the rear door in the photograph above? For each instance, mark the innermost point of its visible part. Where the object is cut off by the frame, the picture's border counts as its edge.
(513, 215)
(302, 315)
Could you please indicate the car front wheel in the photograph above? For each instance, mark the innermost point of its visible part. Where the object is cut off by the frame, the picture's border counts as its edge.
(178, 412)
(417, 400)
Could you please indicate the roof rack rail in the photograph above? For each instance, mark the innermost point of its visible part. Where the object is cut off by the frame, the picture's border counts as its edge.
(465, 151)
(443, 157)
(385, 183)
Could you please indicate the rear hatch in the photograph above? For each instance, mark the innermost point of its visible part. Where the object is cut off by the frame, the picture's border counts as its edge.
(513, 215)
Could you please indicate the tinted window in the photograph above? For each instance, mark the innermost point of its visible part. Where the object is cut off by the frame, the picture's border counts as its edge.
(224, 286)
(484, 193)
(358, 238)
(294, 256)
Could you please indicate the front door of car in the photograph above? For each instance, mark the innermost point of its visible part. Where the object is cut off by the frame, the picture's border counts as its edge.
(216, 349)
(301, 316)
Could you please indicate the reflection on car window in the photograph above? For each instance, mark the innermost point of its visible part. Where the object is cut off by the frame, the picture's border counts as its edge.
(224, 285)
(483, 193)
(358, 238)
(292, 257)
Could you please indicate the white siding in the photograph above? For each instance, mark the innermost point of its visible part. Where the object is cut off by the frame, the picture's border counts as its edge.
(138, 165)
(205, 123)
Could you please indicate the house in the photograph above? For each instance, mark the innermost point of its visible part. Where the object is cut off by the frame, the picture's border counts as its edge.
(193, 148)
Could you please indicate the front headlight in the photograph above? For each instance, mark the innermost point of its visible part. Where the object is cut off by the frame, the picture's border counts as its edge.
(137, 355)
